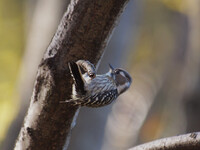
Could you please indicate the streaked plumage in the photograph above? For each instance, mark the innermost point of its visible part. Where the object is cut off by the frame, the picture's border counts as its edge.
(97, 90)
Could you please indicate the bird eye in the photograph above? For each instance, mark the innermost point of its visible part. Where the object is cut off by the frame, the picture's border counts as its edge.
(116, 71)
(92, 75)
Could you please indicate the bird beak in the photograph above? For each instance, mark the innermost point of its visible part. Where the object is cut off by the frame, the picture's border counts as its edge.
(111, 68)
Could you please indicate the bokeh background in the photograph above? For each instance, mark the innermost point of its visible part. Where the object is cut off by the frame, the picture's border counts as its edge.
(157, 41)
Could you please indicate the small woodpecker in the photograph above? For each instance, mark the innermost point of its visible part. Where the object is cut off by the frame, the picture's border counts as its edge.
(93, 90)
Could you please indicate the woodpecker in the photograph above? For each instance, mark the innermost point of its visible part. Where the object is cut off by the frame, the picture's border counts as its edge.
(93, 90)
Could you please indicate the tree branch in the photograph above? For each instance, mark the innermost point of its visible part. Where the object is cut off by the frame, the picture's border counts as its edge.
(189, 141)
(82, 34)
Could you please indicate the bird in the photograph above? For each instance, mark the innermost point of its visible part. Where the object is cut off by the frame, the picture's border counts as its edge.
(96, 90)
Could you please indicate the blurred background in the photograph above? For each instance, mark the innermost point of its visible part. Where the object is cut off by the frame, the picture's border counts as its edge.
(157, 41)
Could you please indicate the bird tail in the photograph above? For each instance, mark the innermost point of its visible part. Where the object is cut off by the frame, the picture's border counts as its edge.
(77, 78)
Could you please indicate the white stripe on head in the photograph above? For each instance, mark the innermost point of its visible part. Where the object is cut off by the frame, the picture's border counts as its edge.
(122, 74)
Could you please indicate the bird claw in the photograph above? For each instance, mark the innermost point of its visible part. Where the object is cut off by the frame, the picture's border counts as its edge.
(87, 67)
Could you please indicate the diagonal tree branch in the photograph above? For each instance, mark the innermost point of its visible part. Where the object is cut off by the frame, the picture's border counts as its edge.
(189, 141)
(82, 34)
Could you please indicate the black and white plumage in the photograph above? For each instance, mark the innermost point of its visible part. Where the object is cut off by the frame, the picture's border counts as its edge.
(94, 90)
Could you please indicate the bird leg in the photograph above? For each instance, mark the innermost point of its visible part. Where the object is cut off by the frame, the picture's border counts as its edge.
(87, 67)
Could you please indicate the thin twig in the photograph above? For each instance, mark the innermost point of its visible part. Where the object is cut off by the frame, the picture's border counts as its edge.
(189, 141)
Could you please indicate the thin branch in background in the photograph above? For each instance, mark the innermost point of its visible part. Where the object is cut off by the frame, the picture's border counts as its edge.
(189, 141)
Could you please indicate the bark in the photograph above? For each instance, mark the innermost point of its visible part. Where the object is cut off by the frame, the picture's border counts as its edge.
(82, 34)
(189, 141)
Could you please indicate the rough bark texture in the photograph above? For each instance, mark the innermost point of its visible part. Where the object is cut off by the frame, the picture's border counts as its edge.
(82, 34)
(189, 141)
